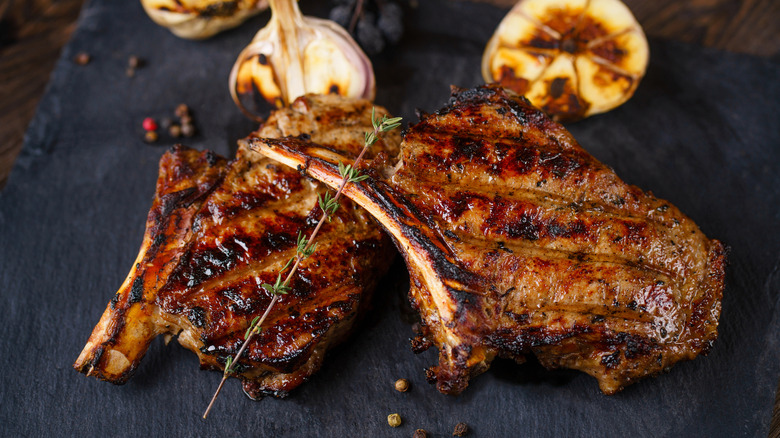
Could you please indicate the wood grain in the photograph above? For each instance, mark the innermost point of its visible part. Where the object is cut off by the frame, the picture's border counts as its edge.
(32, 33)
(746, 26)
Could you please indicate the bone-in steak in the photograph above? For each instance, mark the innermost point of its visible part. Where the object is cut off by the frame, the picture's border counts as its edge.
(217, 231)
(519, 242)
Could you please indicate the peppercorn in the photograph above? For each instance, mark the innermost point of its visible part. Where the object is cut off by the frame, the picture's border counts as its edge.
(82, 58)
(394, 420)
(186, 119)
(130, 72)
(134, 62)
(420, 433)
(461, 429)
(401, 385)
(149, 124)
(151, 136)
(174, 131)
(182, 110)
(187, 130)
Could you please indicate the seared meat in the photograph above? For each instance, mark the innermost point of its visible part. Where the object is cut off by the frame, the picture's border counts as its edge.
(519, 242)
(218, 230)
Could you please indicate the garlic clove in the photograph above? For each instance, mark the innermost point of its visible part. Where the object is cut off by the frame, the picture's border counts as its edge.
(200, 19)
(335, 64)
(556, 17)
(294, 55)
(556, 91)
(601, 85)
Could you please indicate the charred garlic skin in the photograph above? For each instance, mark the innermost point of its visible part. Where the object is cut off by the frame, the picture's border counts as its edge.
(294, 55)
(200, 19)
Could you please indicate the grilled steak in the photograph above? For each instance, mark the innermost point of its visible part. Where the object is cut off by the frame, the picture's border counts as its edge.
(519, 242)
(218, 230)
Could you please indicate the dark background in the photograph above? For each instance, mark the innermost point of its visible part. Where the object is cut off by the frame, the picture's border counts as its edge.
(703, 131)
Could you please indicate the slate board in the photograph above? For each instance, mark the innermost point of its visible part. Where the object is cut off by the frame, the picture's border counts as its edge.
(702, 131)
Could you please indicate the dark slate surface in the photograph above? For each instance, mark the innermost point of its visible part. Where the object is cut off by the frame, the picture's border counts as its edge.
(702, 131)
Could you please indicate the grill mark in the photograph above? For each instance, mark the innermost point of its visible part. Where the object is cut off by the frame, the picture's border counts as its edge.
(511, 154)
(265, 270)
(270, 210)
(545, 200)
(547, 226)
(531, 250)
(205, 261)
(282, 329)
(579, 312)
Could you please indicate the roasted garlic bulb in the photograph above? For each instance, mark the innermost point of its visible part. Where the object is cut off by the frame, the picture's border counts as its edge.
(294, 55)
(571, 58)
(198, 19)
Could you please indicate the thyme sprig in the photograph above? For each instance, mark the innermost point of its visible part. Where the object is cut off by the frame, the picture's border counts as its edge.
(306, 246)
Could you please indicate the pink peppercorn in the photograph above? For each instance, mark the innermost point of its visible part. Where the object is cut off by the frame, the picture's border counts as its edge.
(149, 124)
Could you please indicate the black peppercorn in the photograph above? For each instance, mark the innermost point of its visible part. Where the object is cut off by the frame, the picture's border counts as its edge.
(82, 58)
(461, 429)
(182, 110)
(187, 130)
(174, 131)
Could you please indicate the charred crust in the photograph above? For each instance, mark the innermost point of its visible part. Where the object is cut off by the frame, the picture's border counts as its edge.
(197, 316)
(520, 318)
(159, 240)
(172, 201)
(502, 247)
(225, 8)
(431, 375)
(611, 360)
(211, 157)
(136, 291)
(453, 377)
(518, 106)
(97, 354)
(465, 302)
(420, 344)
(403, 212)
(256, 391)
(460, 96)
(451, 235)
(522, 339)
(704, 316)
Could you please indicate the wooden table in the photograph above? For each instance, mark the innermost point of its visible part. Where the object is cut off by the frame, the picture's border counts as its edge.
(32, 33)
